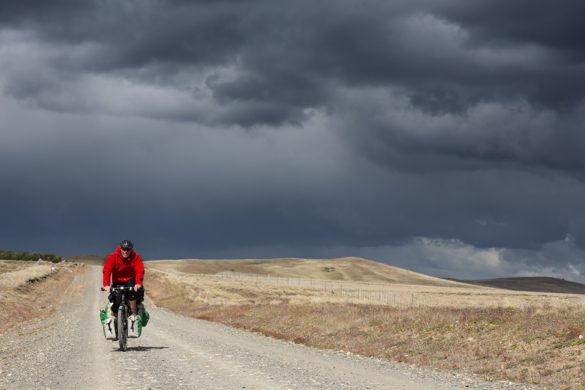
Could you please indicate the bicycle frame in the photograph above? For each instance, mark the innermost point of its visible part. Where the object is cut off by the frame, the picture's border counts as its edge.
(121, 321)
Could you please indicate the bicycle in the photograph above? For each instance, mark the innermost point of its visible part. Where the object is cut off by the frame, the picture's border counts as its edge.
(119, 294)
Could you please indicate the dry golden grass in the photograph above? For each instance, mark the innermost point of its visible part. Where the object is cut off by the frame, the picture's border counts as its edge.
(346, 268)
(167, 288)
(245, 287)
(12, 265)
(22, 276)
(34, 292)
(532, 345)
(499, 334)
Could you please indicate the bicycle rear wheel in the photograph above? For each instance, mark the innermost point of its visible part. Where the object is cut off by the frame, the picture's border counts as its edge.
(123, 327)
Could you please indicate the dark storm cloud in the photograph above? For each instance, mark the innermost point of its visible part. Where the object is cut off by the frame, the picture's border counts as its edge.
(178, 190)
(367, 124)
(541, 24)
(16, 12)
(446, 55)
(538, 22)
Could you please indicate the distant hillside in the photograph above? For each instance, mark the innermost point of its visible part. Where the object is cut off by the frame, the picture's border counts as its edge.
(87, 259)
(28, 256)
(535, 284)
(346, 268)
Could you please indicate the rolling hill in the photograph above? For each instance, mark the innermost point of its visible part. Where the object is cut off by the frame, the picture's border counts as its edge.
(534, 284)
(343, 269)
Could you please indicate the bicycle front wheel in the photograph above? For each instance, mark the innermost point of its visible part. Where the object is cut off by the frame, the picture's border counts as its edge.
(123, 327)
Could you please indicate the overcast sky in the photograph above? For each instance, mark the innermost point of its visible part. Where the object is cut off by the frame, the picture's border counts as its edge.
(444, 136)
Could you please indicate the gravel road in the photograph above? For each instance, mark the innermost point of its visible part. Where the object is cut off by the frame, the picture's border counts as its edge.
(68, 351)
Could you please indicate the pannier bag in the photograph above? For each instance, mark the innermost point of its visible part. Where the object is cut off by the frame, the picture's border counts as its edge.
(145, 316)
(104, 317)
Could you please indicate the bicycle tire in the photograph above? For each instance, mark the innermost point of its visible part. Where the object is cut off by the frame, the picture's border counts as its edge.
(122, 327)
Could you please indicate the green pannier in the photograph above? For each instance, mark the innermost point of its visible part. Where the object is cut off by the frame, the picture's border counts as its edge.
(145, 316)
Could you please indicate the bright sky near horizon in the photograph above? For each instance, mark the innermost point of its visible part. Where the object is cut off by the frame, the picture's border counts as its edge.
(442, 136)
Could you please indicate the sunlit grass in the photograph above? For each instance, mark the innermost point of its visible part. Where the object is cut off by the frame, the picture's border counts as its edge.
(538, 339)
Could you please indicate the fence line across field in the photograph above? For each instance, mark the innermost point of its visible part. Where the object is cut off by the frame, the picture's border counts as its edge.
(386, 294)
(367, 293)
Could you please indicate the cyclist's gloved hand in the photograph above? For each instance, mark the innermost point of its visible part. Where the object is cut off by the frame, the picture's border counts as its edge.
(137, 287)
(106, 289)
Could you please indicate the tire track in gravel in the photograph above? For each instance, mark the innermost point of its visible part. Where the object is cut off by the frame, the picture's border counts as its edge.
(68, 350)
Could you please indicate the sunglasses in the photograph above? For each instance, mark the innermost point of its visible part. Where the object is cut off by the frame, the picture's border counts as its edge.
(126, 249)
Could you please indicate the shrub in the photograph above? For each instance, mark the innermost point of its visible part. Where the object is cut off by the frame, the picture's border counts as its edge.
(29, 256)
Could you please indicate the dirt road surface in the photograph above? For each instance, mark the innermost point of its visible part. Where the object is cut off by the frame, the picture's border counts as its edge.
(68, 351)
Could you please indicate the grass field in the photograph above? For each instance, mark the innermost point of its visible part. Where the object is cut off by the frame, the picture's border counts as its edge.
(530, 337)
(16, 277)
(342, 269)
(29, 290)
(12, 265)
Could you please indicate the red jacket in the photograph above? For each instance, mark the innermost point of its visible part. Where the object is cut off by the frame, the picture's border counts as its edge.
(122, 270)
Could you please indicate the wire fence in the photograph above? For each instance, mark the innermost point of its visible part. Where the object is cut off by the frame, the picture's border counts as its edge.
(401, 295)
(370, 293)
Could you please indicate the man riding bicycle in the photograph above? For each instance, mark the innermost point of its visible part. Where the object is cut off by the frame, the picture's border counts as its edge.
(125, 268)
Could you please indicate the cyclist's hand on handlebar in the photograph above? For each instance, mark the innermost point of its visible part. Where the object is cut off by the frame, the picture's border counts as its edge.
(106, 289)
(137, 287)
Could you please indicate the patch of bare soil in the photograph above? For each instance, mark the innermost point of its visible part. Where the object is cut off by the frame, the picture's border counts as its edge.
(37, 297)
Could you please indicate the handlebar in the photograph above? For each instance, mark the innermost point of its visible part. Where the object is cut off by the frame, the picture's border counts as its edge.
(122, 288)
(119, 288)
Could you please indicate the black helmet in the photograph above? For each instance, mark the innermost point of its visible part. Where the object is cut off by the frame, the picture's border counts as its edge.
(126, 244)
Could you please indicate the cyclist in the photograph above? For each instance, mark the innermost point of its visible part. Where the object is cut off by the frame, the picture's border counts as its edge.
(125, 268)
